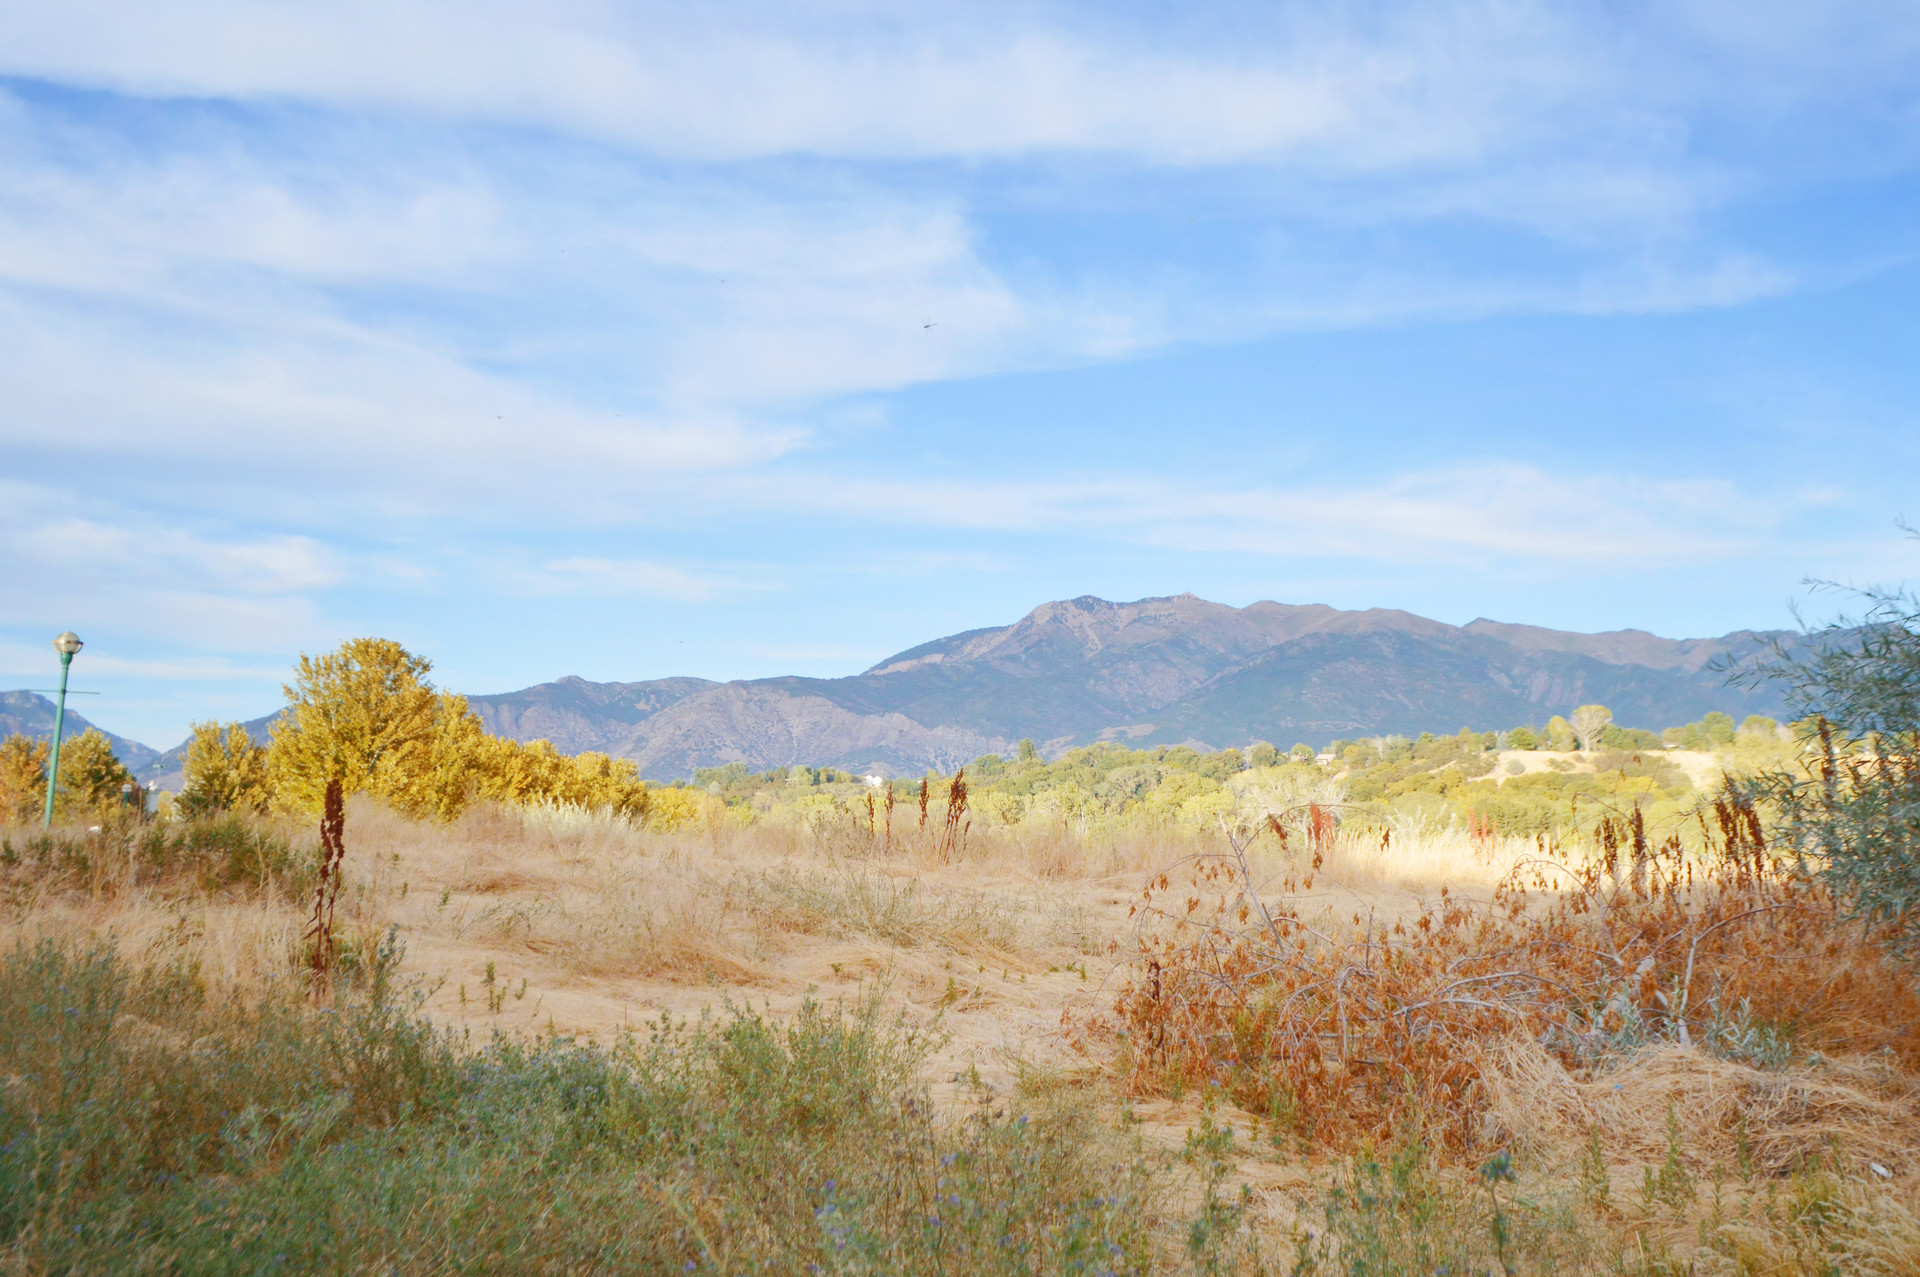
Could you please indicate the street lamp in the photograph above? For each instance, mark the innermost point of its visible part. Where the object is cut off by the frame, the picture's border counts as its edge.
(67, 644)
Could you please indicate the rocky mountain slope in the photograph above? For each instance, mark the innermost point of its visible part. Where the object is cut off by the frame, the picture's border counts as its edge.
(1155, 671)
(30, 714)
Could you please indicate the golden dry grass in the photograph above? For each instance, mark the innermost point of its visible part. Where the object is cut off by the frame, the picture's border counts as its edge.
(1865, 1110)
(522, 920)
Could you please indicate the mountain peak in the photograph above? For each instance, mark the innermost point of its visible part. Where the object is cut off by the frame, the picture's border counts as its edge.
(31, 715)
(1153, 671)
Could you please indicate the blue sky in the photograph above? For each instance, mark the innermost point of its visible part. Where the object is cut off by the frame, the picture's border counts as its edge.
(735, 339)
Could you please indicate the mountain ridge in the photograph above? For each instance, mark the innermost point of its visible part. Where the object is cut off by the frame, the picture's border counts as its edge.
(1168, 670)
(31, 714)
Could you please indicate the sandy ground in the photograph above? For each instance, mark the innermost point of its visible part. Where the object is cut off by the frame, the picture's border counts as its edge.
(1007, 953)
(524, 924)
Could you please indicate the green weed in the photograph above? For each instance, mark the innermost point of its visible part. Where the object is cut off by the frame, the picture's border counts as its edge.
(149, 1124)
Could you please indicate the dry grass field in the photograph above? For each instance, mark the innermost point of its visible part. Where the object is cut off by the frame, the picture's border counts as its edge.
(1752, 1145)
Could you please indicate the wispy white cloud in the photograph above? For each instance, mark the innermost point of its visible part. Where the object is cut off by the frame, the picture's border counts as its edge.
(610, 578)
(1360, 87)
(330, 308)
(349, 419)
(42, 526)
(1563, 116)
(1458, 515)
(71, 562)
(19, 660)
(740, 80)
(230, 291)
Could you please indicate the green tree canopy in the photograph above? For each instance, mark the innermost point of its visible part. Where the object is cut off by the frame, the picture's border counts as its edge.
(1855, 691)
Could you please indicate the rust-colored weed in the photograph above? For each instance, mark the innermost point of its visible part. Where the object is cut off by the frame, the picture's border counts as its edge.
(333, 821)
(1345, 1028)
(953, 834)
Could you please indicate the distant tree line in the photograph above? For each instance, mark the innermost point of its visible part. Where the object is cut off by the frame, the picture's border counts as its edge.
(367, 716)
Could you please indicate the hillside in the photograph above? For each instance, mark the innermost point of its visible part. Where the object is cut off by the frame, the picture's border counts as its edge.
(31, 715)
(1174, 670)
(1155, 671)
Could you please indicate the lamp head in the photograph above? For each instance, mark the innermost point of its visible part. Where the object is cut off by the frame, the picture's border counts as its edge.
(67, 644)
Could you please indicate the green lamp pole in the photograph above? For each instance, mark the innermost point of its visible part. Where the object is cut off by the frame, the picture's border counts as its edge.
(67, 644)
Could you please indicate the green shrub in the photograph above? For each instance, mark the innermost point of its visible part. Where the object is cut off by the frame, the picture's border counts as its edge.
(206, 854)
(225, 850)
(1853, 807)
(1394, 1215)
(148, 1123)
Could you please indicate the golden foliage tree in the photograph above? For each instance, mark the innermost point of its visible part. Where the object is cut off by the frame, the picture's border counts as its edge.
(225, 771)
(367, 716)
(441, 779)
(364, 715)
(23, 778)
(91, 777)
(671, 807)
(509, 771)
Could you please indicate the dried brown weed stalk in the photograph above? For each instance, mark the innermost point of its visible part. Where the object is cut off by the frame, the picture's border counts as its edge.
(333, 821)
(1340, 1028)
(953, 834)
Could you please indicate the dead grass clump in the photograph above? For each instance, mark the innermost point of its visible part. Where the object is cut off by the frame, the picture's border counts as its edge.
(226, 895)
(669, 946)
(622, 923)
(900, 912)
(503, 882)
(232, 941)
(1342, 1029)
(548, 830)
(1724, 1112)
(1827, 1225)
(1421, 860)
(1048, 851)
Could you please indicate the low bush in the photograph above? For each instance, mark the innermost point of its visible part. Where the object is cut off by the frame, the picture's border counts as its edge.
(207, 854)
(150, 1124)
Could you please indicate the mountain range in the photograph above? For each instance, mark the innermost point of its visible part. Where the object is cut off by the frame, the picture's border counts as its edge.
(1156, 671)
(1177, 670)
(31, 714)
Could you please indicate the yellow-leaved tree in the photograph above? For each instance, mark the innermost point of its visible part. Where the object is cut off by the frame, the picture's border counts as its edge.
(23, 778)
(92, 779)
(451, 771)
(1589, 723)
(363, 714)
(225, 771)
(367, 715)
(537, 772)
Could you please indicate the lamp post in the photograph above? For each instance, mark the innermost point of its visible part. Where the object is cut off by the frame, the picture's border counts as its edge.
(67, 644)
